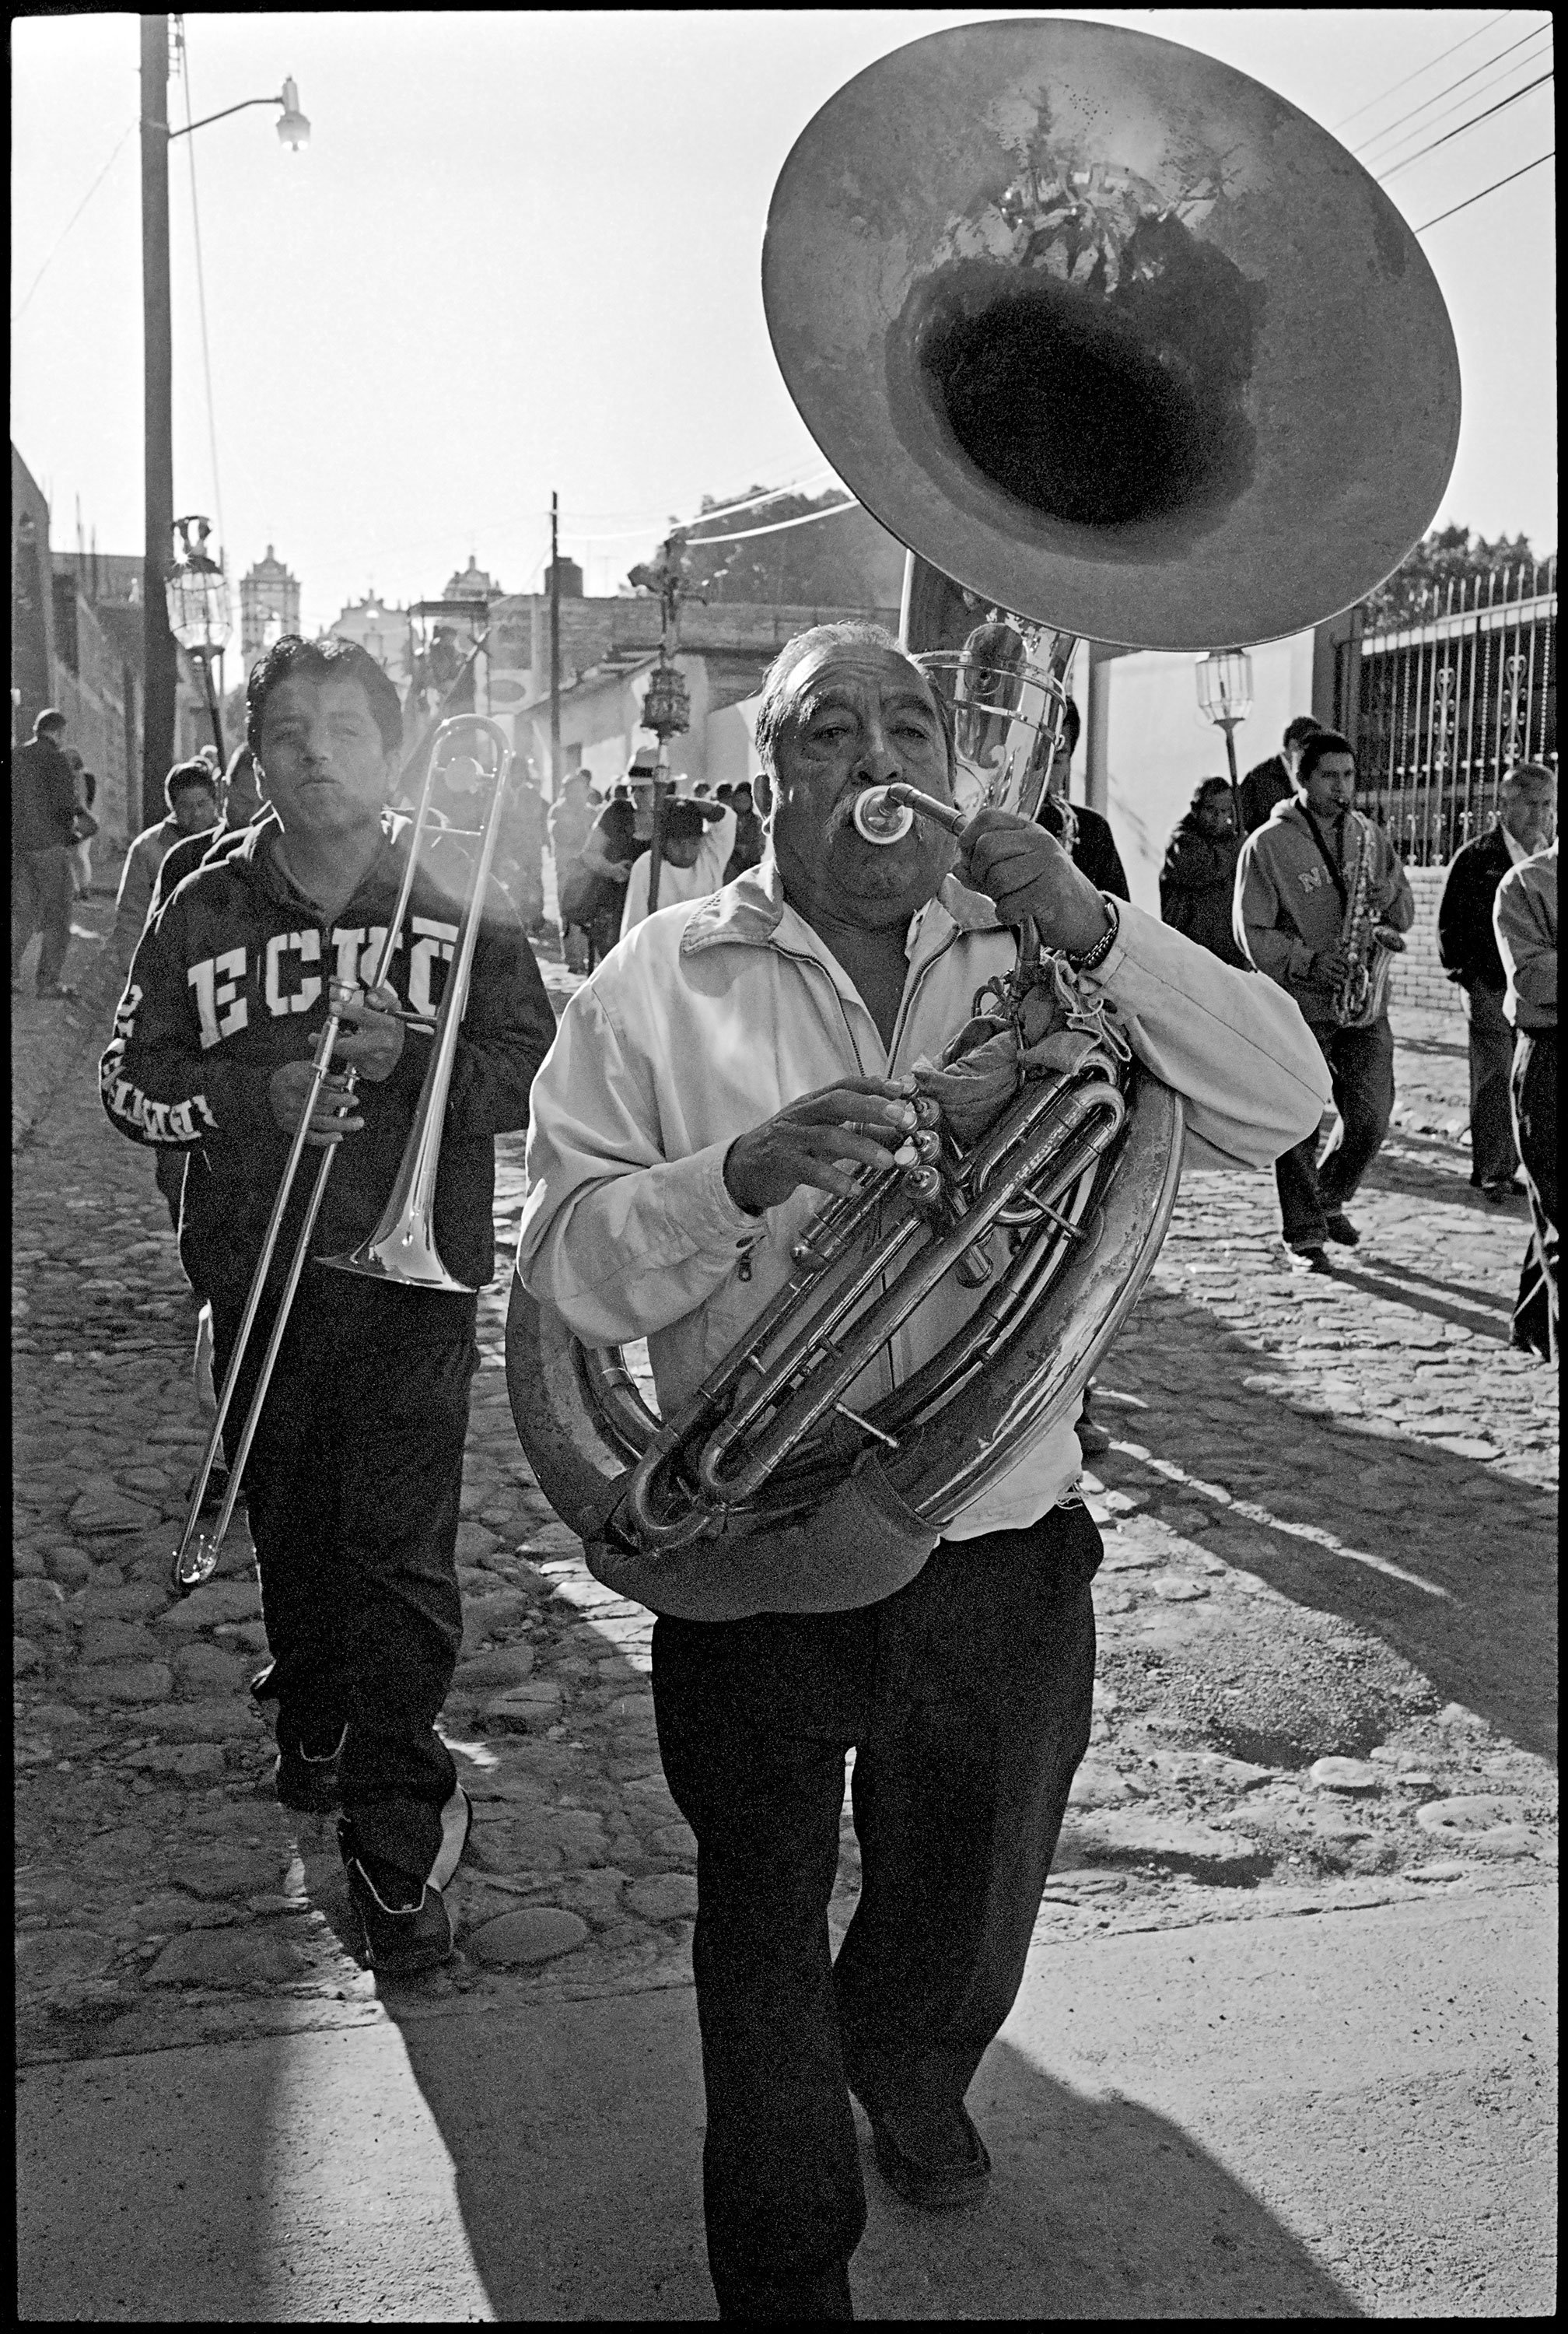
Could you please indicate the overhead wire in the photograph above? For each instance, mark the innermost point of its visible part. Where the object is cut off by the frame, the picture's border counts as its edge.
(1522, 172)
(780, 526)
(1539, 32)
(752, 502)
(1376, 163)
(1345, 120)
(1475, 122)
(201, 294)
(17, 313)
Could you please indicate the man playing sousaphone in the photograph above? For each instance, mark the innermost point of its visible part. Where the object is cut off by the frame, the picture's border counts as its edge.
(732, 1060)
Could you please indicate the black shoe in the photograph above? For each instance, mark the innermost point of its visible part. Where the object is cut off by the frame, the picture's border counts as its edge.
(404, 1923)
(1307, 1257)
(1340, 1229)
(952, 2168)
(307, 1780)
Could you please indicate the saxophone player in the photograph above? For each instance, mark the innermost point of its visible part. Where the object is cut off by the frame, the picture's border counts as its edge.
(1321, 901)
(733, 1059)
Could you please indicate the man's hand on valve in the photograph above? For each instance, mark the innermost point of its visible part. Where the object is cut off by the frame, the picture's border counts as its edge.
(823, 1141)
(334, 1116)
(371, 1047)
(1028, 874)
(374, 1045)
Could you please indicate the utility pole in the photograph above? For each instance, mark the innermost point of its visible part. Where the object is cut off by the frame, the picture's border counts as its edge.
(554, 649)
(158, 661)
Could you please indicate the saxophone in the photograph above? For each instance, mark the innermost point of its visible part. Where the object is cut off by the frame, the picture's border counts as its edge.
(1370, 945)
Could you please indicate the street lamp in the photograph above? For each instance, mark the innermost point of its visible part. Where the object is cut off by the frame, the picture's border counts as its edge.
(1223, 680)
(159, 667)
(196, 594)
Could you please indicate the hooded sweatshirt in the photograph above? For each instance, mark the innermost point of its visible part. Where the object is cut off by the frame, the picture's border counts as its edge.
(1288, 908)
(230, 981)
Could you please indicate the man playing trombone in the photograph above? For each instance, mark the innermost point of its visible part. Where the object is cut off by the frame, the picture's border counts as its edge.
(732, 1060)
(354, 1477)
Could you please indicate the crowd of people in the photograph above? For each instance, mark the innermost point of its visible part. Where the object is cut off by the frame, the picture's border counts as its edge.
(685, 1120)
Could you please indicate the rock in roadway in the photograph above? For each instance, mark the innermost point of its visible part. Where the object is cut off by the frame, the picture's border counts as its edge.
(225, 1958)
(44, 1956)
(503, 1665)
(126, 1681)
(534, 1933)
(668, 1897)
(1459, 1819)
(1356, 1775)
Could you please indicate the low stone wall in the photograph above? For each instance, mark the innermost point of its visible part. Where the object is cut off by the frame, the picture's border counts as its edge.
(1419, 979)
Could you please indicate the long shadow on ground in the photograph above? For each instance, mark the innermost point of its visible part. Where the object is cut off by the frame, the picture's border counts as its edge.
(1486, 1542)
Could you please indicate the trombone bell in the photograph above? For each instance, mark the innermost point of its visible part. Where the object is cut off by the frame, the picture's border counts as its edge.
(402, 1247)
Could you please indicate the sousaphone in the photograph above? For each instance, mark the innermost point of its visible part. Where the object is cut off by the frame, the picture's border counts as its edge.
(1124, 347)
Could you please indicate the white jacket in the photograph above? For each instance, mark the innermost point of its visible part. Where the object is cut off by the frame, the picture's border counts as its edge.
(697, 881)
(707, 1019)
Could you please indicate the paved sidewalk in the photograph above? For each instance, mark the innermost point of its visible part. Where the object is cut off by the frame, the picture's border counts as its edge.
(1329, 1521)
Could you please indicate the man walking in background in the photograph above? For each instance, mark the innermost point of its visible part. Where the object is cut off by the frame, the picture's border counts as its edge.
(1273, 781)
(44, 834)
(1198, 881)
(1294, 892)
(1092, 847)
(190, 791)
(1468, 952)
(1525, 919)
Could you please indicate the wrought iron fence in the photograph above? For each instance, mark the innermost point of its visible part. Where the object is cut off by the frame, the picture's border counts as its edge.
(1441, 702)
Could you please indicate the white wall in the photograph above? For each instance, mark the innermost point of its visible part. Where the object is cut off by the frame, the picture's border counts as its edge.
(1161, 745)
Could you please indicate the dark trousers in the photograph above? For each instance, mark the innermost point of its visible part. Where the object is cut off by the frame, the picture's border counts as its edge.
(42, 886)
(1535, 1126)
(1494, 1158)
(353, 1484)
(968, 1699)
(1361, 1068)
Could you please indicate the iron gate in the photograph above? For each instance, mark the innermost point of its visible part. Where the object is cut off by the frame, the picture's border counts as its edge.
(1440, 705)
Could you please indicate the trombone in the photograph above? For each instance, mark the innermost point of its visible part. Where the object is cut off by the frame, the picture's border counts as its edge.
(402, 1247)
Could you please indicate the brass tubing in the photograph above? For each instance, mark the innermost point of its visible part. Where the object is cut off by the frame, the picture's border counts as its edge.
(828, 1382)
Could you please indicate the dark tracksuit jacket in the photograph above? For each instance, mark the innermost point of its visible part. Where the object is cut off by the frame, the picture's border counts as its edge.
(230, 982)
(355, 1478)
(1467, 944)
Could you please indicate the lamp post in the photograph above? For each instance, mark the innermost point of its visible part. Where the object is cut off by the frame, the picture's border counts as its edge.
(1223, 680)
(667, 706)
(159, 667)
(196, 594)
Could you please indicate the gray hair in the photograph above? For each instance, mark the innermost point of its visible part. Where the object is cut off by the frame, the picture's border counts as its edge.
(1532, 777)
(855, 632)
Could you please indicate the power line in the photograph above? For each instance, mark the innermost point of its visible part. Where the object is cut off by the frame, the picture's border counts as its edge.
(1541, 32)
(201, 294)
(1341, 124)
(746, 533)
(1492, 189)
(766, 495)
(1501, 107)
(1519, 64)
(18, 313)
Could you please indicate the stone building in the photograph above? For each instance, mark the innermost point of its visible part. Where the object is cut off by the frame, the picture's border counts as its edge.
(268, 592)
(380, 631)
(608, 649)
(76, 642)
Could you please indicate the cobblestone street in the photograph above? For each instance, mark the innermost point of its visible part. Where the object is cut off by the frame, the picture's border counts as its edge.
(1327, 1667)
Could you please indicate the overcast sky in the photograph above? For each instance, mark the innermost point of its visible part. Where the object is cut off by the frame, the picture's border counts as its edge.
(521, 252)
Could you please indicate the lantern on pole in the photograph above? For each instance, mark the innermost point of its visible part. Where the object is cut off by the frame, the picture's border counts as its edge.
(195, 590)
(1223, 680)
